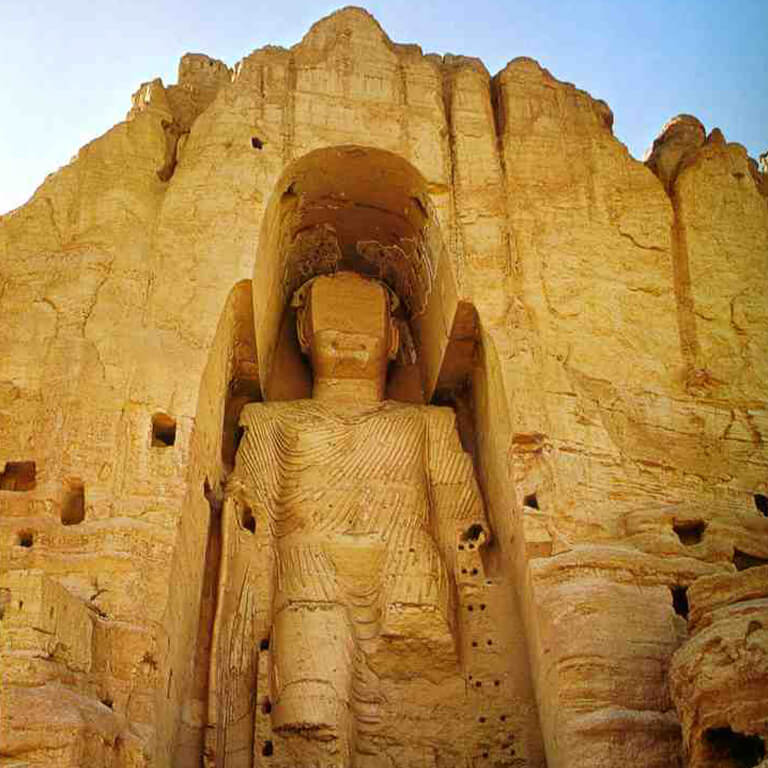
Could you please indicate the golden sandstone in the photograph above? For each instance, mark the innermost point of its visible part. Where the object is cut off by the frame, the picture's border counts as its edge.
(360, 409)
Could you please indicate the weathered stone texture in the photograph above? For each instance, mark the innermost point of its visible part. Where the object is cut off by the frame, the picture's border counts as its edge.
(598, 324)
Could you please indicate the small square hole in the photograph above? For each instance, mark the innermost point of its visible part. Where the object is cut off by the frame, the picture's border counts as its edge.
(163, 431)
(531, 500)
(73, 502)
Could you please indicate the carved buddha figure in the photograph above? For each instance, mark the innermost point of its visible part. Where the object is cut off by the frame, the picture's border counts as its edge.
(358, 506)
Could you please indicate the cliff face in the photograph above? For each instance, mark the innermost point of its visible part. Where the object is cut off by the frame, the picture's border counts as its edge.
(614, 395)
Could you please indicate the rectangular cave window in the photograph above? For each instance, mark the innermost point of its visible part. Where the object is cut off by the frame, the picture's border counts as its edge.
(761, 502)
(735, 750)
(18, 476)
(73, 502)
(689, 531)
(163, 430)
(25, 539)
(680, 600)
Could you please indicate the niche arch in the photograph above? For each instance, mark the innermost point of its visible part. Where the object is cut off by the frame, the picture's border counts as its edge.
(363, 209)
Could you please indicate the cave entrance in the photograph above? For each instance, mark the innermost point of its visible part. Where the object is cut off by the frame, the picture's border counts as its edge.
(725, 747)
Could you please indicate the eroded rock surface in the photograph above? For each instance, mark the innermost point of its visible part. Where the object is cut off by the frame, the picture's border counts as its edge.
(597, 325)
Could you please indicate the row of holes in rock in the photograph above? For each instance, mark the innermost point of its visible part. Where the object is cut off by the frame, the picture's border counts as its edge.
(266, 707)
(72, 509)
(691, 531)
(22, 476)
(507, 744)
(482, 719)
(479, 683)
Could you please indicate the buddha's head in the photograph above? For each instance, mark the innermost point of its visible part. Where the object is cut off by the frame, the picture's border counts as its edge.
(345, 327)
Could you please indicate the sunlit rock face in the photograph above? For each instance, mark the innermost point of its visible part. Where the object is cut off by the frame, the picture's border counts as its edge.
(517, 516)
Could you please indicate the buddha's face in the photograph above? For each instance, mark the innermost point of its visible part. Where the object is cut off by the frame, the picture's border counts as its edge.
(346, 328)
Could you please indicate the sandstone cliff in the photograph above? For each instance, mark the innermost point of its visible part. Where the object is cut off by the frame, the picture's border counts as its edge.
(607, 322)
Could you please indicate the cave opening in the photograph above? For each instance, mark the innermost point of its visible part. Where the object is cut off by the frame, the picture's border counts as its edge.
(743, 560)
(473, 532)
(689, 532)
(73, 502)
(730, 748)
(248, 520)
(163, 430)
(18, 476)
(531, 501)
(680, 600)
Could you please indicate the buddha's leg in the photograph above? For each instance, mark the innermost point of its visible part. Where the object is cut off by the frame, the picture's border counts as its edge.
(313, 660)
(418, 622)
(313, 646)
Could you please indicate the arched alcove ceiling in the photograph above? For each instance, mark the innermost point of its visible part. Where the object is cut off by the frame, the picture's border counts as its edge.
(359, 208)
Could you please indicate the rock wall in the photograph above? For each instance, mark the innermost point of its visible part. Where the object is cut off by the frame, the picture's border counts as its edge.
(616, 401)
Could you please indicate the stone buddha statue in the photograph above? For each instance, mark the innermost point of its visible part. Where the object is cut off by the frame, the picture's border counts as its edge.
(342, 521)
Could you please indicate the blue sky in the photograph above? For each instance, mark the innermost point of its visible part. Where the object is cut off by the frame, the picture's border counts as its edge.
(68, 69)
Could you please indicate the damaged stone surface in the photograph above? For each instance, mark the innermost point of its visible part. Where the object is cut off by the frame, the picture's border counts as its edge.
(726, 652)
(597, 324)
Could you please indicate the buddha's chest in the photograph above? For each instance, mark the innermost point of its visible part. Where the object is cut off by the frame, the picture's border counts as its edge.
(327, 451)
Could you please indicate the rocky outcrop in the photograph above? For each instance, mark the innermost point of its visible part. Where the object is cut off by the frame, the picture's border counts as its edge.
(678, 141)
(719, 676)
(611, 387)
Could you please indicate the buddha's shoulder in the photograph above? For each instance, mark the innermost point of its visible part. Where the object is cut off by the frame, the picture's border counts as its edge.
(298, 411)
(433, 418)
(417, 410)
(286, 412)
(264, 412)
